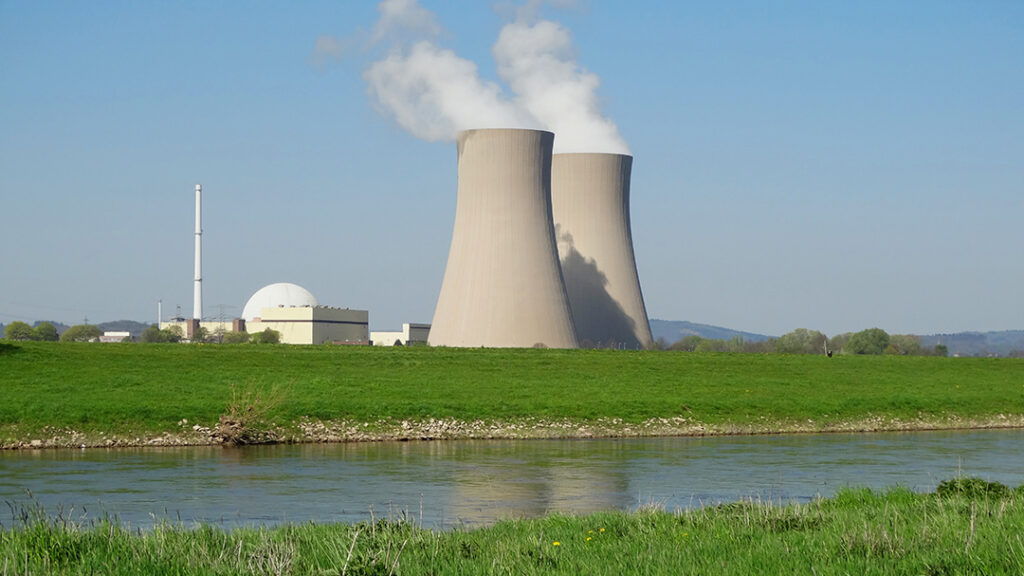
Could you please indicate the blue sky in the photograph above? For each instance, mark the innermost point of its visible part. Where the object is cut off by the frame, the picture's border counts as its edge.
(829, 165)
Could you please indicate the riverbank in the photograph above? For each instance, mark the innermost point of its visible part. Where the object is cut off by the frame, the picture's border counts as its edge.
(967, 526)
(310, 431)
(74, 395)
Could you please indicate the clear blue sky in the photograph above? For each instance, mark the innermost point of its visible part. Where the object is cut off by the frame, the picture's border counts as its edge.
(829, 165)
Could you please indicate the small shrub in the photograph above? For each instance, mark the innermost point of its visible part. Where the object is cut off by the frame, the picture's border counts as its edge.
(268, 336)
(973, 488)
(245, 420)
(236, 338)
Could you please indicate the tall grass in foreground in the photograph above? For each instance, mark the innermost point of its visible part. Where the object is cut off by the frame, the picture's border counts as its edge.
(968, 527)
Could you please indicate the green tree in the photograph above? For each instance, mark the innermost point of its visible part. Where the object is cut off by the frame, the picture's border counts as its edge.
(81, 333)
(689, 343)
(712, 345)
(46, 332)
(200, 335)
(904, 345)
(154, 335)
(268, 336)
(18, 330)
(941, 350)
(838, 342)
(801, 341)
(760, 347)
(150, 335)
(174, 333)
(870, 341)
(236, 338)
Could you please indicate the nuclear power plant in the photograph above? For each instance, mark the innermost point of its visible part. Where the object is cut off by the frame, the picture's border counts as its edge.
(503, 284)
(542, 250)
(590, 205)
(541, 256)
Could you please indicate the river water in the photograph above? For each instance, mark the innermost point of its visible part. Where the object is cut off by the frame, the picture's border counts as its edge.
(451, 483)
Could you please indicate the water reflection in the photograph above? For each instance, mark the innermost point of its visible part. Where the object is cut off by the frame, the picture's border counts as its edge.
(472, 482)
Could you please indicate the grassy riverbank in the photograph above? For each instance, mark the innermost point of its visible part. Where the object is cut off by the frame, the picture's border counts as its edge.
(856, 532)
(117, 394)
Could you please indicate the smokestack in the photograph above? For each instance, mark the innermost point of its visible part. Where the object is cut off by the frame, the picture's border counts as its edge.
(197, 295)
(503, 286)
(590, 206)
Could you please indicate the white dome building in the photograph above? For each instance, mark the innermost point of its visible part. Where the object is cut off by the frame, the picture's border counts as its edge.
(295, 314)
(280, 295)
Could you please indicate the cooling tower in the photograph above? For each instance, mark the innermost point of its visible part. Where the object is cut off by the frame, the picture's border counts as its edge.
(503, 285)
(590, 205)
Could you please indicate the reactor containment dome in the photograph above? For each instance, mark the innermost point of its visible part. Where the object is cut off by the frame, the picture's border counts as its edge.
(280, 295)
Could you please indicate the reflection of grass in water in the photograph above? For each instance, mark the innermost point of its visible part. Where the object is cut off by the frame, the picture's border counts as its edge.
(149, 389)
(856, 532)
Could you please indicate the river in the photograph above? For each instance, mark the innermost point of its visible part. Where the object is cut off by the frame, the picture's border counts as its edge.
(452, 483)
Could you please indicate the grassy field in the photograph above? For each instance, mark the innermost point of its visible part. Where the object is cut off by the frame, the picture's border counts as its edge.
(857, 532)
(130, 392)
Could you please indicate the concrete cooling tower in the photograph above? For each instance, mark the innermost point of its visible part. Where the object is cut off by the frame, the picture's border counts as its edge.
(590, 205)
(503, 285)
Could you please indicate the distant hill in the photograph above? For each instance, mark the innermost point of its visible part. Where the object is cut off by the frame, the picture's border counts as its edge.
(979, 343)
(674, 331)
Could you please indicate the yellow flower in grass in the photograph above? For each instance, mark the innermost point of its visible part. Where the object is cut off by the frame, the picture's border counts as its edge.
(602, 529)
(588, 538)
(556, 543)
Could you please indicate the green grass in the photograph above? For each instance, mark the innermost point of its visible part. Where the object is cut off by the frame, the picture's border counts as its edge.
(857, 532)
(144, 390)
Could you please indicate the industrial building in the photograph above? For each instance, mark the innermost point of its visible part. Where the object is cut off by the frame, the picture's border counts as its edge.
(286, 308)
(503, 283)
(411, 335)
(294, 312)
(590, 207)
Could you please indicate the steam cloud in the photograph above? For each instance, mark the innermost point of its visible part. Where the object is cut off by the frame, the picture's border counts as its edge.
(430, 91)
(433, 93)
(538, 62)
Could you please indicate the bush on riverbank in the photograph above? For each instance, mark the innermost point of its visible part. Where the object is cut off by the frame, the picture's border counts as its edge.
(857, 532)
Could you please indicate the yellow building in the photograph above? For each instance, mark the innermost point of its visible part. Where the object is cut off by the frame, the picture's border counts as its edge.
(314, 324)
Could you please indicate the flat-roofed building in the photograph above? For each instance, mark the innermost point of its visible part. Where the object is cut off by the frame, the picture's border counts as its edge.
(411, 334)
(314, 324)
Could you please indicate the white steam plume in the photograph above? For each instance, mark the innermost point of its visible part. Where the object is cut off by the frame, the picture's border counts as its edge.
(402, 18)
(430, 91)
(537, 60)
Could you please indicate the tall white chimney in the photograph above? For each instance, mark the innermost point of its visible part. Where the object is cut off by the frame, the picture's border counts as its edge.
(197, 297)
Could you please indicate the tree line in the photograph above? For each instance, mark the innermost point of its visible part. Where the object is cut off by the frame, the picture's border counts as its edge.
(173, 333)
(804, 341)
(47, 332)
